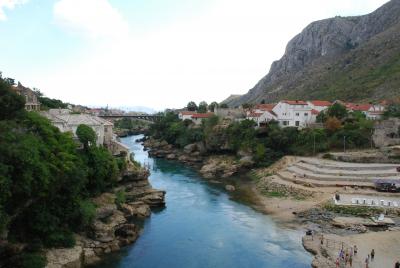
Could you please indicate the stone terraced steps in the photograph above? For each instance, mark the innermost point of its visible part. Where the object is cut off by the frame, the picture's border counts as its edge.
(289, 176)
(390, 172)
(329, 164)
(314, 172)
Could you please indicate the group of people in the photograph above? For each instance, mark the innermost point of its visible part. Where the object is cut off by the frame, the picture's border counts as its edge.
(345, 257)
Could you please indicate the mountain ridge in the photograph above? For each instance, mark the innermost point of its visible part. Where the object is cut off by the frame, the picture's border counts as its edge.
(334, 53)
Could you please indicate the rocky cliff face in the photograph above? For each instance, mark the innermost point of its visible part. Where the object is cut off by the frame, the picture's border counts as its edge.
(321, 45)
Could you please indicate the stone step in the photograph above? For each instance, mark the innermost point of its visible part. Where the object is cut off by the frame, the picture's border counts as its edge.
(326, 177)
(307, 182)
(359, 173)
(330, 164)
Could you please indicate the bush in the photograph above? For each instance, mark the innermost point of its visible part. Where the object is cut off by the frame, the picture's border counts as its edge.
(60, 239)
(87, 213)
(120, 198)
(31, 260)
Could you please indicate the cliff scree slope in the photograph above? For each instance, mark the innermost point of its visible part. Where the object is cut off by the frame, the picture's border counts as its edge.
(348, 58)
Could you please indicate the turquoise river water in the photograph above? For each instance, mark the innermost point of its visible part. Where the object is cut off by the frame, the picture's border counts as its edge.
(203, 226)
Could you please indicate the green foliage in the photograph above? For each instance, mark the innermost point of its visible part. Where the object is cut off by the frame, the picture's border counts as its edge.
(129, 124)
(203, 107)
(31, 260)
(86, 135)
(212, 106)
(45, 179)
(223, 105)
(337, 110)
(87, 212)
(393, 110)
(10, 102)
(191, 106)
(120, 198)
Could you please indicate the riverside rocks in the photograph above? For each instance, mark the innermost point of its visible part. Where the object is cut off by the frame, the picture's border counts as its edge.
(195, 155)
(112, 227)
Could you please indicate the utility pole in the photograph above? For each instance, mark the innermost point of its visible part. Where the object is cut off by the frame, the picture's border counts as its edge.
(344, 144)
(314, 144)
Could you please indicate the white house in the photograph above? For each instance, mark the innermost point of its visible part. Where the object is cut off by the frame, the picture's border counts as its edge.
(262, 118)
(294, 113)
(186, 115)
(198, 118)
(371, 111)
(319, 105)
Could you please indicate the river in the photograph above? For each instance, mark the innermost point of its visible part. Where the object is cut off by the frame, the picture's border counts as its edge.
(203, 226)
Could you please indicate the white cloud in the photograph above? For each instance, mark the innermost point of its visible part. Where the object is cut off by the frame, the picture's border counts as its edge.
(10, 4)
(224, 51)
(96, 18)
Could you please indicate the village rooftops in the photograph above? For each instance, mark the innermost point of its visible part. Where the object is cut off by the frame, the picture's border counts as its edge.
(255, 115)
(206, 115)
(295, 102)
(358, 107)
(321, 103)
(265, 107)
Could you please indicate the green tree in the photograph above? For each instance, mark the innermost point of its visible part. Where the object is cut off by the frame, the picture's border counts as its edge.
(393, 110)
(223, 106)
(86, 135)
(10, 102)
(191, 106)
(337, 110)
(212, 106)
(203, 107)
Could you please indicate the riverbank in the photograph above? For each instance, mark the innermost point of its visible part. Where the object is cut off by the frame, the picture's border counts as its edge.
(295, 205)
(115, 223)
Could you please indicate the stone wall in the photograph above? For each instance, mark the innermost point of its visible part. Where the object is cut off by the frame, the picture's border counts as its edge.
(387, 132)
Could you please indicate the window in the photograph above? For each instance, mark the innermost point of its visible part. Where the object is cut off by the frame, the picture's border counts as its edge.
(305, 114)
(297, 123)
(285, 123)
(297, 114)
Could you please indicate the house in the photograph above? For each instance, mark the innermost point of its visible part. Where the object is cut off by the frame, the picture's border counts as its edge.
(198, 118)
(31, 100)
(319, 105)
(294, 113)
(371, 111)
(262, 118)
(184, 115)
(67, 122)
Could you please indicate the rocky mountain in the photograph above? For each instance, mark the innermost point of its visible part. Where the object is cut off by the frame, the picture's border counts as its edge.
(349, 58)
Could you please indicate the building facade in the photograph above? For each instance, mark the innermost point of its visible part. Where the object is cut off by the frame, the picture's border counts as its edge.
(31, 100)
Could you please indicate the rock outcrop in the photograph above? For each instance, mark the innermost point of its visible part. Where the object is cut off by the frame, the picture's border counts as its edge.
(113, 225)
(332, 58)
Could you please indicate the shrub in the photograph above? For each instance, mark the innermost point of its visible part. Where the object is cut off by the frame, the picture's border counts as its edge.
(31, 260)
(120, 198)
(60, 239)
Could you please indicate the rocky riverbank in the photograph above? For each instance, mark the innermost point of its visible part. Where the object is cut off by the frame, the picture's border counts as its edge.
(113, 226)
(197, 155)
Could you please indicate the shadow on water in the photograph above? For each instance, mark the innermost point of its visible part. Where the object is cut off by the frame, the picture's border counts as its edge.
(204, 226)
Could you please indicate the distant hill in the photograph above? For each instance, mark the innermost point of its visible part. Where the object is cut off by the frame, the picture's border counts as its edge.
(349, 58)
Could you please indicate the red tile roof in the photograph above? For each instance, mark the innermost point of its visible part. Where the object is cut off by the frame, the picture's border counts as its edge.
(315, 112)
(321, 103)
(187, 113)
(358, 107)
(207, 115)
(295, 102)
(265, 107)
(255, 115)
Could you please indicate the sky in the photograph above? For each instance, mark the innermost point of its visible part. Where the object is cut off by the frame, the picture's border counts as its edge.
(154, 53)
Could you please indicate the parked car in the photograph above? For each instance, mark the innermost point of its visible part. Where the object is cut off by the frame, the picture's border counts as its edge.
(398, 169)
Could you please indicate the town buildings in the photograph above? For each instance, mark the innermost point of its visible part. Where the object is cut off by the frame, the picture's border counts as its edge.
(31, 100)
(66, 121)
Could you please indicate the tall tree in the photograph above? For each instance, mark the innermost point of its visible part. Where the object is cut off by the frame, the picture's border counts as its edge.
(203, 107)
(191, 106)
(212, 106)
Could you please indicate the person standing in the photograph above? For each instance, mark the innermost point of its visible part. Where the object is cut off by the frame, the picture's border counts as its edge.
(367, 261)
(355, 250)
(372, 254)
(351, 260)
